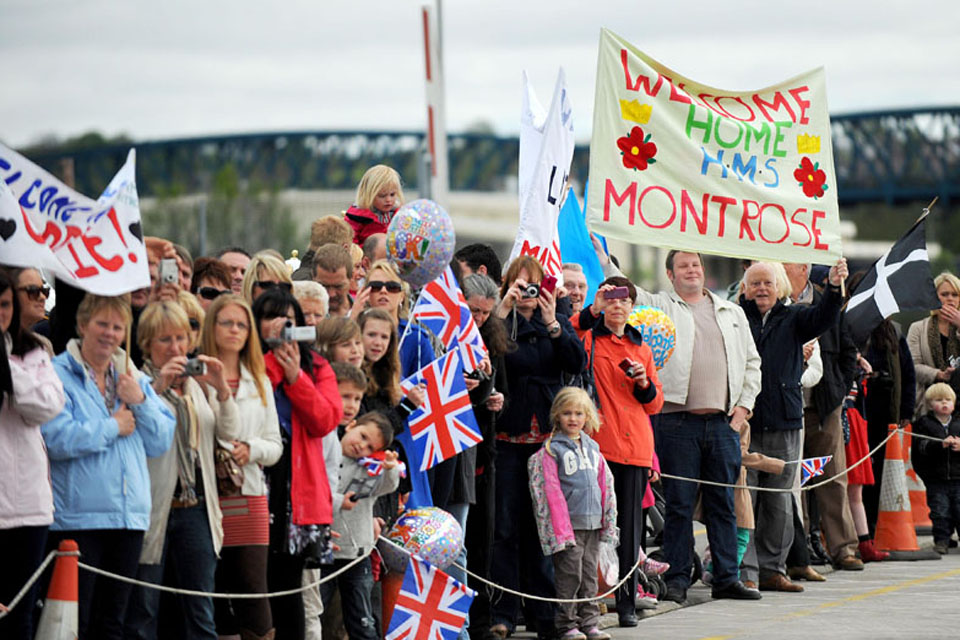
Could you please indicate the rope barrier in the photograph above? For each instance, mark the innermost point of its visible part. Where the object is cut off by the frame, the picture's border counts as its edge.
(776, 490)
(5, 609)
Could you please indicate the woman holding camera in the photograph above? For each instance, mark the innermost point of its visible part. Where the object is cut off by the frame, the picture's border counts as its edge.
(185, 532)
(546, 347)
(627, 393)
(229, 336)
(309, 407)
(98, 447)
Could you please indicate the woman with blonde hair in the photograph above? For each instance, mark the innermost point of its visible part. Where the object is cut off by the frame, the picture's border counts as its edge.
(185, 519)
(195, 315)
(230, 335)
(98, 447)
(265, 272)
(379, 195)
(934, 342)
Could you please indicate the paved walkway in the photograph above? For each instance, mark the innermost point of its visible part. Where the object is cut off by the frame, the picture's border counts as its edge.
(901, 600)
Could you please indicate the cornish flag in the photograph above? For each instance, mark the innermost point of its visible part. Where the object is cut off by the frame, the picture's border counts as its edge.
(899, 281)
(811, 467)
(444, 425)
(430, 605)
(443, 309)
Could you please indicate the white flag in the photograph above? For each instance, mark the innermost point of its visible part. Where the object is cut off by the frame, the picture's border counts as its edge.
(95, 245)
(546, 151)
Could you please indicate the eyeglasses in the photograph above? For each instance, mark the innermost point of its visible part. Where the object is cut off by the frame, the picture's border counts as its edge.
(33, 291)
(266, 285)
(212, 293)
(194, 324)
(392, 286)
(230, 324)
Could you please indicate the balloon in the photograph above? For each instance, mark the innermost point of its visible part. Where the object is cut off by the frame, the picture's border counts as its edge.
(657, 330)
(430, 533)
(420, 241)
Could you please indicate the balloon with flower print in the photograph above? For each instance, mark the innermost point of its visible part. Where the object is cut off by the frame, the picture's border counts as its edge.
(420, 241)
(430, 533)
(658, 331)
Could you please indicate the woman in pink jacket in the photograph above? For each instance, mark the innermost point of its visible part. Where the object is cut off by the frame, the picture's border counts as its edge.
(31, 395)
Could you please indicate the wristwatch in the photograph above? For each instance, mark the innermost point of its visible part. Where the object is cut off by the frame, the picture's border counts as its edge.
(554, 329)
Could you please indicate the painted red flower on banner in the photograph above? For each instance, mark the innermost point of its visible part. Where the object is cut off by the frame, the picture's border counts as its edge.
(811, 177)
(637, 150)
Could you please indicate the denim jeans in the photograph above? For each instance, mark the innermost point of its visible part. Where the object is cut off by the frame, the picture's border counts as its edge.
(704, 447)
(355, 586)
(191, 562)
(517, 558)
(943, 498)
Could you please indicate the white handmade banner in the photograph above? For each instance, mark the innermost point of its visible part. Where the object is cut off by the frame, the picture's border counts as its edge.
(546, 151)
(678, 164)
(95, 245)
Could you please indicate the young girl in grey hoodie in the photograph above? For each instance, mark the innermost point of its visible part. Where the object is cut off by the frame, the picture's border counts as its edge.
(576, 509)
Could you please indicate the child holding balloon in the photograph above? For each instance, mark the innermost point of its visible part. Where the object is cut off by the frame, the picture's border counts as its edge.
(379, 195)
(576, 510)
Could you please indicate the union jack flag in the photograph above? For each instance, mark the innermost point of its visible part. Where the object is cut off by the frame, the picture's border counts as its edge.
(430, 605)
(443, 309)
(444, 425)
(374, 465)
(811, 467)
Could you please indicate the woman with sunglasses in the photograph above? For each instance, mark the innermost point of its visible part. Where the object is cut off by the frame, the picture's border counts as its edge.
(229, 336)
(30, 394)
(265, 271)
(301, 503)
(384, 290)
(211, 279)
(195, 316)
(186, 531)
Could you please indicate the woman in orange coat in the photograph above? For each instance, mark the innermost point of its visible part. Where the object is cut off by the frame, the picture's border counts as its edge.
(627, 392)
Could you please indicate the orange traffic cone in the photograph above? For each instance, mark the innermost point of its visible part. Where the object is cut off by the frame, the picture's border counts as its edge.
(59, 618)
(916, 488)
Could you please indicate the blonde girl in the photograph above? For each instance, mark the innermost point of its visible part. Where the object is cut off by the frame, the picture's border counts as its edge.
(379, 195)
(576, 509)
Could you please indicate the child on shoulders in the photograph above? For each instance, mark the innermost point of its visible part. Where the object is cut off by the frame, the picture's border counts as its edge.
(379, 195)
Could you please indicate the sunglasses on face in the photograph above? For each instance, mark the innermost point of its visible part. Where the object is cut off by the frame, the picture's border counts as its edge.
(212, 293)
(266, 285)
(392, 286)
(194, 324)
(33, 291)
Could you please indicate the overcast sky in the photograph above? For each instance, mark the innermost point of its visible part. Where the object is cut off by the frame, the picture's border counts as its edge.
(169, 68)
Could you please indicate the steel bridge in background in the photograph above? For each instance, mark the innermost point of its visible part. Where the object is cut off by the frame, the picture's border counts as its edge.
(890, 156)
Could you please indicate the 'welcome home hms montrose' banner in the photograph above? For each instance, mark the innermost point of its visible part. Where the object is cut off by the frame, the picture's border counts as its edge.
(677, 164)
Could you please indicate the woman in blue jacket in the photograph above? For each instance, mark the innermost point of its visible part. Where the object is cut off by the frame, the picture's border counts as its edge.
(98, 448)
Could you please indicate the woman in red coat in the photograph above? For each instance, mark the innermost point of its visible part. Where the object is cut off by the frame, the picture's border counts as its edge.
(627, 393)
(301, 504)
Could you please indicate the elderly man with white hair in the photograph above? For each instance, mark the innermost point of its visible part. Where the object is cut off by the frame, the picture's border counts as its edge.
(780, 332)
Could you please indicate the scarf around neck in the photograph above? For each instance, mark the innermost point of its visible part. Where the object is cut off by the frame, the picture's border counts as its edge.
(185, 438)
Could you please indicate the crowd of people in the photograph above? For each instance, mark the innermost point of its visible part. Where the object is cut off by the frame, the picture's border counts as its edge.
(217, 430)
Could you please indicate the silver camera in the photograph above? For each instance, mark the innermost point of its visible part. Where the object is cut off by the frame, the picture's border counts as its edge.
(291, 333)
(532, 290)
(168, 273)
(194, 367)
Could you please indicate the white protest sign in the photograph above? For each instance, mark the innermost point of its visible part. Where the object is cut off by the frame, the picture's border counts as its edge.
(95, 245)
(543, 184)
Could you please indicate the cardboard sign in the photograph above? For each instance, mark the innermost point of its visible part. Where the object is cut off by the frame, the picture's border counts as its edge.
(681, 165)
(96, 245)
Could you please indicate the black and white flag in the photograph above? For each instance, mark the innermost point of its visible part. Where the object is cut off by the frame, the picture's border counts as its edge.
(899, 281)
